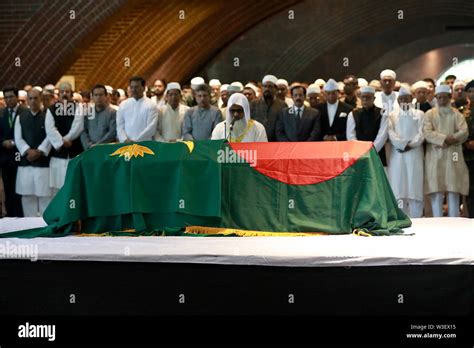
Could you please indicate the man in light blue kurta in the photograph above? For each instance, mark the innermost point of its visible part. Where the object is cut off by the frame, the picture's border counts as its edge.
(200, 120)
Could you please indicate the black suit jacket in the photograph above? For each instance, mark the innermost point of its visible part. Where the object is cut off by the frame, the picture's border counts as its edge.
(7, 156)
(309, 128)
(267, 115)
(338, 127)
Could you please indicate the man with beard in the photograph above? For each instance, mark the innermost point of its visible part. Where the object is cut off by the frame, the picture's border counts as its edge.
(64, 124)
(405, 131)
(445, 130)
(238, 126)
(468, 147)
(350, 89)
(313, 94)
(159, 93)
(171, 116)
(267, 108)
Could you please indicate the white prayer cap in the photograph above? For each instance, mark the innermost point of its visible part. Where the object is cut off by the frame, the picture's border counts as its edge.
(173, 85)
(234, 88)
(314, 88)
(121, 92)
(252, 86)
(109, 89)
(388, 73)
(238, 84)
(443, 89)
(1, 95)
(215, 82)
(331, 85)
(270, 78)
(38, 88)
(404, 91)
(196, 81)
(367, 90)
(282, 82)
(419, 84)
(22, 93)
(224, 87)
(459, 83)
(49, 88)
(341, 86)
(320, 82)
(362, 82)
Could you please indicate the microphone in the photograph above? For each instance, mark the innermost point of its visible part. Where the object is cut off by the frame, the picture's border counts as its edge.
(231, 128)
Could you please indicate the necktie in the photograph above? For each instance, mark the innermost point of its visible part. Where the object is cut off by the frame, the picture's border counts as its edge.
(298, 117)
(10, 117)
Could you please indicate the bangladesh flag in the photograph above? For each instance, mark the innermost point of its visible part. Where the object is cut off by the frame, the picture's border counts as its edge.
(217, 188)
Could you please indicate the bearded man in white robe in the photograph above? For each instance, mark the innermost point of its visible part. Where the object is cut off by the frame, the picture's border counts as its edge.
(238, 127)
(445, 130)
(405, 171)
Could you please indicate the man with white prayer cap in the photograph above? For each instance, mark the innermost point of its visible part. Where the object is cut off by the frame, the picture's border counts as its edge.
(197, 81)
(238, 126)
(224, 97)
(421, 90)
(333, 114)
(237, 84)
(282, 92)
(368, 123)
(64, 124)
(405, 172)
(387, 98)
(250, 91)
(320, 83)
(215, 85)
(362, 82)
(22, 97)
(445, 130)
(313, 95)
(171, 115)
(459, 95)
(267, 108)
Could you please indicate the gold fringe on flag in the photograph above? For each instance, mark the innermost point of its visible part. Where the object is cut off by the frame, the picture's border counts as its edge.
(247, 233)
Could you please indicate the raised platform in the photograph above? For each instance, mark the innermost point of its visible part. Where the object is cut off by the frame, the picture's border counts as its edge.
(435, 241)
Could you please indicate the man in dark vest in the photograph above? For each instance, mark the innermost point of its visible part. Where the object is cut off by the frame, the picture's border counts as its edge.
(9, 155)
(333, 114)
(267, 108)
(368, 123)
(64, 124)
(32, 181)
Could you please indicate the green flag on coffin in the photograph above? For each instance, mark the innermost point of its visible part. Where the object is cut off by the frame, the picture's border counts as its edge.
(216, 188)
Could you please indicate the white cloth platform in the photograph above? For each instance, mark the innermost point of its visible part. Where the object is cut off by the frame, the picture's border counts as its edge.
(437, 241)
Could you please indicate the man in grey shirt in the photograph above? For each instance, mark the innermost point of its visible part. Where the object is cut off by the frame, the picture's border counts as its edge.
(200, 120)
(100, 125)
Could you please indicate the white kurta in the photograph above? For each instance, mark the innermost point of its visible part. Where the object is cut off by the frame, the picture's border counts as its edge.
(58, 166)
(256, 133)
(170, 122)
(388, 103)
(31, 180)
(405, 171)
(445, 168)
(137, 119)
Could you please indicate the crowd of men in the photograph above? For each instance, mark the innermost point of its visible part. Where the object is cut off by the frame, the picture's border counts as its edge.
(423, 133)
